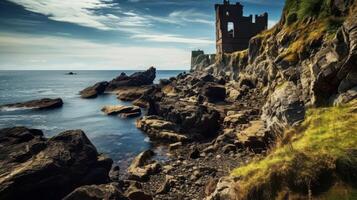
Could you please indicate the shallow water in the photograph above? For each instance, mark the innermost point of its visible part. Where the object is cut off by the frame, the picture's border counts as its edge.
(119, 138)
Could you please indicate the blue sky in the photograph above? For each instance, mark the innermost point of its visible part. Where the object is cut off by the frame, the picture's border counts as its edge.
(111, 34)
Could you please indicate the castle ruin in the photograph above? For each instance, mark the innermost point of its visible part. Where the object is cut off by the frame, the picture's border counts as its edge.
(233, 30)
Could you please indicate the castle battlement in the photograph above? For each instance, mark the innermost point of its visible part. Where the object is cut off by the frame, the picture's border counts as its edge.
(233, 29)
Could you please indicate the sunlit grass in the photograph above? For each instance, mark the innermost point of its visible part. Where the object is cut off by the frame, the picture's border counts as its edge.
(326, 135)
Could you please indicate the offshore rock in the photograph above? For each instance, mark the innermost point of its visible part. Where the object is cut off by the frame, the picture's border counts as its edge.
(137, 79)
(94, 91)
(41, 104)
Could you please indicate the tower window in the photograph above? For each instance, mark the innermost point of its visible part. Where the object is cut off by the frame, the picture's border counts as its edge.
(230, 29)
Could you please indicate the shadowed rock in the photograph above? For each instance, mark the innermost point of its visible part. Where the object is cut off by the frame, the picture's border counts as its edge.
(34, 167)
(45, 103)
(94, 91)
(97, 192)
(137, 79)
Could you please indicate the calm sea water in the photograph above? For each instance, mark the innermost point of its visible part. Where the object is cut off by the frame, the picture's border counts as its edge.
(112, 135)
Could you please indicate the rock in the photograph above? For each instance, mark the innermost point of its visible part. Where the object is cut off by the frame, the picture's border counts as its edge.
(284, 107)
(123, 111)
(135, 193)
(41, 104)
(232, 121)
(167, 169)
(224, 189)
(214, 92)
(169, 136)
(140, 168)
(256, 136)
(154, 124)
(141, 103)
(34, 167)
(164, 188)
(195, 153)
(192, 119)
(164, 82)
(131, 93)
(346, 97)
(71, 73)
(94, 91)
(96, 192)
(159, 129)
(175, 146)
(137, 79)
(114, 173)
(229, 148)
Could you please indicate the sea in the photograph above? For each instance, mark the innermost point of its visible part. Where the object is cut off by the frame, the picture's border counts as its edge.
(116, 137)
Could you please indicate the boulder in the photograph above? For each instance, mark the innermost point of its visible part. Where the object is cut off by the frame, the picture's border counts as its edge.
(224, 189)
(137, 79)
(256, 137)
(97, 192)
(94, 91)
(175, 146)
(141, 168)
(232, 121)
(164, 188)
(136, 193)
(193, 119)
(41, 104)
(123, 111)
(214, 92)
(34, 167)
(158, 129)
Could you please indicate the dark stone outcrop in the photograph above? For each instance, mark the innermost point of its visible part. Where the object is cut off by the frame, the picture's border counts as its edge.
(34, 167)
(137, 79)
(41, 104)
(94, 91)
(214, 92)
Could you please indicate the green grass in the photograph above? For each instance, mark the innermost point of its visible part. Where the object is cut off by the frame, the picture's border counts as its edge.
(305, 153)
(308, 8)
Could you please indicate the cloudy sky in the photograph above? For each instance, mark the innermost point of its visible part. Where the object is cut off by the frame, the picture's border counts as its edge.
(110, 34)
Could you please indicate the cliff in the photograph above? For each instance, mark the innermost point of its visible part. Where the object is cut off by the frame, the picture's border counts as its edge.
(305, 67)
(306, 60)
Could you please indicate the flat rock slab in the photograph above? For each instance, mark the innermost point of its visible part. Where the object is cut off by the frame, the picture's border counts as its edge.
(41, 104)
(131, 93)
(123, 111)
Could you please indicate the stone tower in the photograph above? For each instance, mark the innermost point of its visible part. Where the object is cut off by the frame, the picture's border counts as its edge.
(233, 30)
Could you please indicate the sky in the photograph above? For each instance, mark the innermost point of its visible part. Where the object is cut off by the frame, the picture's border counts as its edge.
(111, 34)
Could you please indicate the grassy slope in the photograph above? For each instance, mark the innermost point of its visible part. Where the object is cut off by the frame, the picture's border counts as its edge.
(307, 155)
(298, 17)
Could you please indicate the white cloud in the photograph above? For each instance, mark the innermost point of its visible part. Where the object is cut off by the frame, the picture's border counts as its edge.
(80, 12)
(20, 51)
(172, 38)
(190, 15)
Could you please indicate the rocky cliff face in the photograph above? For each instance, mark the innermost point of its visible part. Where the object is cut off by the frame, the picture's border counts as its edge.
(308, 59)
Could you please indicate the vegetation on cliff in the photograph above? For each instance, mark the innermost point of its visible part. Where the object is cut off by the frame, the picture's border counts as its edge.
(318, 155)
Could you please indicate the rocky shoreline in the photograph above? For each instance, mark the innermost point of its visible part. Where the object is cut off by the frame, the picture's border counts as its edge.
(215, 119)
(193, 115)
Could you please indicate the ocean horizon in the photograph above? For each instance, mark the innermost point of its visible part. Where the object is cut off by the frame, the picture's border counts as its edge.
(114, 136)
